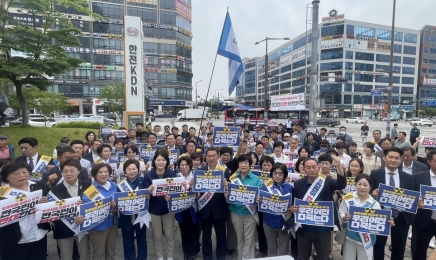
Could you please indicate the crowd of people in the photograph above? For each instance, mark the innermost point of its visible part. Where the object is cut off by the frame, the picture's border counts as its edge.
(84, 164)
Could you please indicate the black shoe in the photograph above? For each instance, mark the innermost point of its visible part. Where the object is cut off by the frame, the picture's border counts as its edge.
(230, 251)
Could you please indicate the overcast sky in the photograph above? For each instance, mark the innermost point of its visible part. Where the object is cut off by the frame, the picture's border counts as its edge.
(253, 20)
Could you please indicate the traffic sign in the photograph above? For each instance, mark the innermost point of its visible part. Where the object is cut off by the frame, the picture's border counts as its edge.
(376, 93)
(429, 103)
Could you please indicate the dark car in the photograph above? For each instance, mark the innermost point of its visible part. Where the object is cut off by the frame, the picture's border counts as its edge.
(330, 122)
(109, 115)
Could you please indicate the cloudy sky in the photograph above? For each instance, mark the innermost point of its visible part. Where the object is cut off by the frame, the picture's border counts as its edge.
(253, 20)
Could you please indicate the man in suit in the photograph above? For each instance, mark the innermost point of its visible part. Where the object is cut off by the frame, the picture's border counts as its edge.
(214, 213)
(171, 144)
(425, 220)
(410, 165)
(300, 134)
(343, 131)
(385, 144)
(390, 175)
(29, 151)
(54, 176)
(322, 135)
(93, 155)
(78, 146)
(319, 236)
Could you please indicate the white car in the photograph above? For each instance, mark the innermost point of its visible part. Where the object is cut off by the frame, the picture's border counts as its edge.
(36, 121)
(356, 120)
(421, 122)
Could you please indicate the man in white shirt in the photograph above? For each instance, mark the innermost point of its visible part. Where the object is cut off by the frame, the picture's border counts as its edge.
(29, 151)
(345, 158)
(410, 165)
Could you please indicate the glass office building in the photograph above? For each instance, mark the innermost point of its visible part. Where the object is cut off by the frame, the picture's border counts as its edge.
(357, 53)
(167, 52)
(427, 71)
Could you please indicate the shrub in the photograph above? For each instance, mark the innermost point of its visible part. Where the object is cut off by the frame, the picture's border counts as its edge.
(88, 125)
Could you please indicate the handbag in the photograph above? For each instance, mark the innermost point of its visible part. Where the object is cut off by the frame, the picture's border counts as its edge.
(340, 236)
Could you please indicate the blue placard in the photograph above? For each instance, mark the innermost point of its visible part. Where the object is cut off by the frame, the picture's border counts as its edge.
(429, 197)
(174, 155)
(122, 157)
(105, 130)
(351, 185)
(398, 198)
(367, 220)
(94, 213)
(274, 204)
(263, 176)
(205, 181)
(242, 194)
(180, 201)
(131, 202)
(331, 138)
(256, 167)
(225, 136)
(147, 152)
(314, 213)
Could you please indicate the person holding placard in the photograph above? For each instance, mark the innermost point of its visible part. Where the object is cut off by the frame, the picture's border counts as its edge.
(102, 237)
(71, 186)
(390, 175)
(316, 187)
(276, 239)
(129, 231)
(24, 239)
(244, 222)
(161, 219)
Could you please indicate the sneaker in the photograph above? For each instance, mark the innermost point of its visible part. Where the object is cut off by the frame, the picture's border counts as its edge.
(409, 236)
(431, 244)
(256, 246)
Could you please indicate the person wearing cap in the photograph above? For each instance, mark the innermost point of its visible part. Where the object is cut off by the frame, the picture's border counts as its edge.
(287, 140)
(414, 133)
(6, 150)
(324, 146)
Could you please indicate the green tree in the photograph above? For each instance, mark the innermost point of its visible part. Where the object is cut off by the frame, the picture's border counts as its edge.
(28, 58)
(113, 95)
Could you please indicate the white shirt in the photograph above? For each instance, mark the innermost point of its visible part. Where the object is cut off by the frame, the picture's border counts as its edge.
(187, 179)
(95, 157)
(73, 190)
(106, 186)
(396, 177)
(345, 159)
(408, 169)
(29, 228)
(433, 184)
(34, 159)
(85, 163)
(282, 158)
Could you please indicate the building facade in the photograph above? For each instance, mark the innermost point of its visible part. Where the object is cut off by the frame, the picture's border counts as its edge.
(427, 72)
(167, 52)
(356, 54)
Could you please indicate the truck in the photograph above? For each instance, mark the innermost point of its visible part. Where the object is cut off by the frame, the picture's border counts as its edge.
(191, 114)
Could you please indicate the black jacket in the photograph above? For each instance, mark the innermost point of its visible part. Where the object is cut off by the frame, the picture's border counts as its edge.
(60, 191)
(406, 182)
(24, 159)
(88, 156)
(217, 205)
(416, 167)
(13, 230)
(82, 176)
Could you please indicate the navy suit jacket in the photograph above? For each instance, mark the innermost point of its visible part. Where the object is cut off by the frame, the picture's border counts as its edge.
(423, 216)
(24, 159)
(330, 186)
(88, 156)
(217, 205)
(416, 167)
(406, 182)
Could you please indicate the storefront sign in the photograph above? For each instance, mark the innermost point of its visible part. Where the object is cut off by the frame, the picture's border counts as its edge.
(330, 44)
(162, 102)
(183, 9)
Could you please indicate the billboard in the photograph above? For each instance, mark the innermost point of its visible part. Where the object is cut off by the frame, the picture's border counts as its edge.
(428, 81)
(133, 65)
(183, 9)
(331, 44)
(288, 102)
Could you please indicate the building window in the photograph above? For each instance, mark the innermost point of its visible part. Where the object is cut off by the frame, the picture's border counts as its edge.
(286, 68)
(398, 37)
(331, 66)
(385, 79)
(299, 43)
(167, 17)
(362, 88)
(112, 44)
(350, 29)
(147, 15)
(408, 70)
(348, 87)
(365, 31)
(409, 50)
(286, 49)
(362, 77)
(107, 10)
(383, 34)
(406, 90)
(348, 65)
(407, 80)
(167, 4)
(299, 64)
(332, 30)
(364, 55)
(360, 99)
(386, 58)
(108, 59)
(332, 54)
(409, 60)
(107, 28)
(168, 48)
(364, 66)
(349, 55)
(385, 68)
(298, 73)
(398, 48)
(150, 47)
(410, 37)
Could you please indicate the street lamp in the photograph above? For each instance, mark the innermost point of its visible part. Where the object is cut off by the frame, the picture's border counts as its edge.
(196, 104)
(265, 112)
(391, 65)
(216, 90)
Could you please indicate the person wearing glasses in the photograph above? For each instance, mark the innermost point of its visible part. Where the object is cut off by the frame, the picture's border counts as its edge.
(276, 239)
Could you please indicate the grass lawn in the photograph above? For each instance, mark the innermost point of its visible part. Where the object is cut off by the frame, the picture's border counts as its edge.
(48, 138)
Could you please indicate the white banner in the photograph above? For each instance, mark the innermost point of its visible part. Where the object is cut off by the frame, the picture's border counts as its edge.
(288, 102)
(170, 185)
(56, 210)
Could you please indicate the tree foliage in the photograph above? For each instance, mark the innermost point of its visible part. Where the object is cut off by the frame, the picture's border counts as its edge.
(28, 57)
(113, 95)
(46, 102)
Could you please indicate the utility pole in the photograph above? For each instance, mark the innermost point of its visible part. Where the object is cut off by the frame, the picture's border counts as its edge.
(314, 63)
(391, 84)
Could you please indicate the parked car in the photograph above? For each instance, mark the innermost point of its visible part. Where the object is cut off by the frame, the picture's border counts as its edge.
(36, 121)
(411, 119)
(356, 120)
(422, 122)
(109, 115)
(330, 122)
(105, 119)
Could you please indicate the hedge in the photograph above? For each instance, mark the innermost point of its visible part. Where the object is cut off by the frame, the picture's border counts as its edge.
(89, 125)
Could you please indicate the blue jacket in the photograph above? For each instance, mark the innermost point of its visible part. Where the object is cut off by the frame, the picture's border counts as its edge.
(125, 221)
(277, 221)
(109, 222)
(157, 205)
(11, 151)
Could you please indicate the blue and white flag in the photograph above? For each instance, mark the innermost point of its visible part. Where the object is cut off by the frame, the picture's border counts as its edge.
(228, 48)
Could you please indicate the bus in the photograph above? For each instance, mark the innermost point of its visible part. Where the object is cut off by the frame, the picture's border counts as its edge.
(256, 116)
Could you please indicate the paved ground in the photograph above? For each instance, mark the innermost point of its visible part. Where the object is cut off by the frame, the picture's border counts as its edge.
(352, 129)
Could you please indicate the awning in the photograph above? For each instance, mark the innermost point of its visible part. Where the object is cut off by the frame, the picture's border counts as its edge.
(347, 110)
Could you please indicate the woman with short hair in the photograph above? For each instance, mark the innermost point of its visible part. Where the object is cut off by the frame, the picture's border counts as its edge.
(370, 160)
